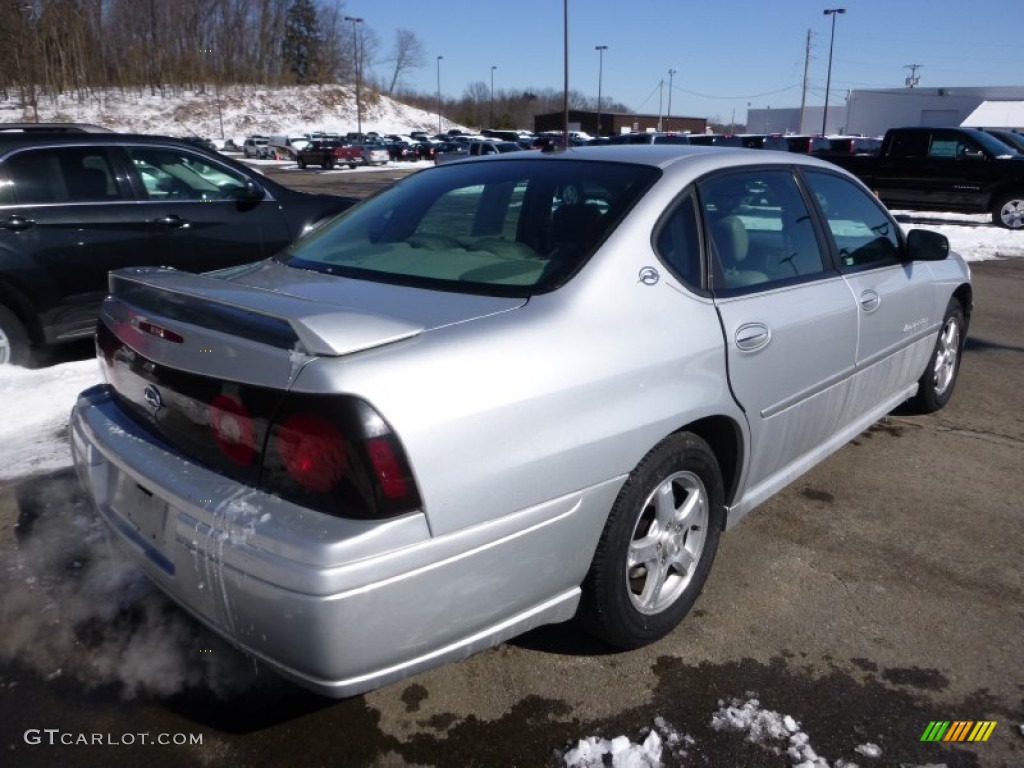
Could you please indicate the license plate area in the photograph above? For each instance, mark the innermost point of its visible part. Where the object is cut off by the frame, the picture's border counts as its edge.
(142, 510)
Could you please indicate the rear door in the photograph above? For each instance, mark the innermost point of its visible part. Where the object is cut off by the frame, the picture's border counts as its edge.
(193, 204)
(789, 319)
(69, 218)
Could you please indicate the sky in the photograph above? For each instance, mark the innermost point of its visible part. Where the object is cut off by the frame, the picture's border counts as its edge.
(726, 54)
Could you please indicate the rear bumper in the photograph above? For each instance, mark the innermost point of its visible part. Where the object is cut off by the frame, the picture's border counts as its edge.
(339, 606)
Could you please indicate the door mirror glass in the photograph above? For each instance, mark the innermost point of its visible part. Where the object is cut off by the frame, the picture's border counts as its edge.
(925, 245)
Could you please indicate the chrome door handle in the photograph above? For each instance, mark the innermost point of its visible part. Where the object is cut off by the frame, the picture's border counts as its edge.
(870, 301)
(172, 220)
(752, 336)
(17, 223)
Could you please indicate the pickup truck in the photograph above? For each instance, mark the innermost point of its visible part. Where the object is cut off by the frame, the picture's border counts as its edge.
(328, 154)
(478, 149)
(945, 169)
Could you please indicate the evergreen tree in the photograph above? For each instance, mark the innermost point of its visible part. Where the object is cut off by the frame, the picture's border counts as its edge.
(303, 41)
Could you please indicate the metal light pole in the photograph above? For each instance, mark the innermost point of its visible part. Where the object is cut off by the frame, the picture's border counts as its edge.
(439, 93)
(600, 73)
(565, 92)
(671, 72)
(493, 67)
(828, 81)
(356, 20)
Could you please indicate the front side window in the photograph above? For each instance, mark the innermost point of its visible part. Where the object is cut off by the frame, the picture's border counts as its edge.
(864, 234)
(760, 230)
(498, 228)
(62, 175)
(170, 174)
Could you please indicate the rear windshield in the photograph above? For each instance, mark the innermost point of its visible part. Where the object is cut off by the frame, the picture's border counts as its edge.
(504, 228)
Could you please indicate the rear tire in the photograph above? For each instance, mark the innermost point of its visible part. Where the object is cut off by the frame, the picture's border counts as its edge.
(302, 163)
(657, 546)
(328, 164)
(15, 344)
(935, 386)
(1008, 211)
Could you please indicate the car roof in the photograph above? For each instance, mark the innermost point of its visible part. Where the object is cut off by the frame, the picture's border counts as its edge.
(54, 138)
(37, 128)
(698, 158)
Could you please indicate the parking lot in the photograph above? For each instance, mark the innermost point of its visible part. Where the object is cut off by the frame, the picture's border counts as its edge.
(878, 593)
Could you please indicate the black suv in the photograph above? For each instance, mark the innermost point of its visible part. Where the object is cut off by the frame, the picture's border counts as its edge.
(75, 205)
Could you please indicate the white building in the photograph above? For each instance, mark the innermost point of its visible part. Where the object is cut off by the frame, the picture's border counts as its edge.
(873, 112)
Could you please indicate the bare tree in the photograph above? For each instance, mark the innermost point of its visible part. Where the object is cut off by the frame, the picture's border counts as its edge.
(406, 54)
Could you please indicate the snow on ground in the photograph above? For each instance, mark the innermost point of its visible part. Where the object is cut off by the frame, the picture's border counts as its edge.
(232, 112)
(34, 415)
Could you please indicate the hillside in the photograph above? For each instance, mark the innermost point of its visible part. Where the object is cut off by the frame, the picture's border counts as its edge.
(244, 110)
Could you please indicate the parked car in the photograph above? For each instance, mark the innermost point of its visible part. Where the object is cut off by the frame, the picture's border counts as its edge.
(465, 408)
(375, 154)
(200, 141)
(649, 137)
(256, 147)
(715, 140)
(75, 205)
(329, 153)
(1010, 138)
(774, 141)
(806, 145)
(849, 145)
(478, 149)
(402, 150)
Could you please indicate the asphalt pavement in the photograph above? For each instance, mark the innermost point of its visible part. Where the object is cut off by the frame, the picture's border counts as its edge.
(877, 594)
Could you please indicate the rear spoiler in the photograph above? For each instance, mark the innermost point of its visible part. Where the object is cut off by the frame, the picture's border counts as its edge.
(258, 314)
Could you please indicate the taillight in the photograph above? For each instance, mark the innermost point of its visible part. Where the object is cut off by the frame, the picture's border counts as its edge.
(336, 454)
(314, 452)
(233, 428)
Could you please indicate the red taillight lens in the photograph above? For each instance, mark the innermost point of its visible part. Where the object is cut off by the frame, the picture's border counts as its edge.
(233, 429)
(314, 452)
(387, 468)
(336, 454)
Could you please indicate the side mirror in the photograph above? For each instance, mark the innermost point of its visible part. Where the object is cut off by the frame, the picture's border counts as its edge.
(925, 245)
(251, 192)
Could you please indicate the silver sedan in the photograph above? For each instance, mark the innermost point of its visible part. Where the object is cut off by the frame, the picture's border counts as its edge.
(504, 393)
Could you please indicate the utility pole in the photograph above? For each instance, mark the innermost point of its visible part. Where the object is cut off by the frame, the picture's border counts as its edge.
(491, 123)
(439, 94)
(356, 21)
(600, 73)
(671, 73)
(661, 100)
(828, 80)
(913, 80)
(803, 91)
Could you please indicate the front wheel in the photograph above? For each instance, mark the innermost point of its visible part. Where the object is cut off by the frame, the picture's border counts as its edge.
(1009, 211)
(328, 164)
(935, 386)
(657, 546)
(301, 163)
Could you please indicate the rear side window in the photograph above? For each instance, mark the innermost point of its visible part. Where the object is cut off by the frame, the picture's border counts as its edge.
(678, 243)
(61, 175)
(760, 230)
